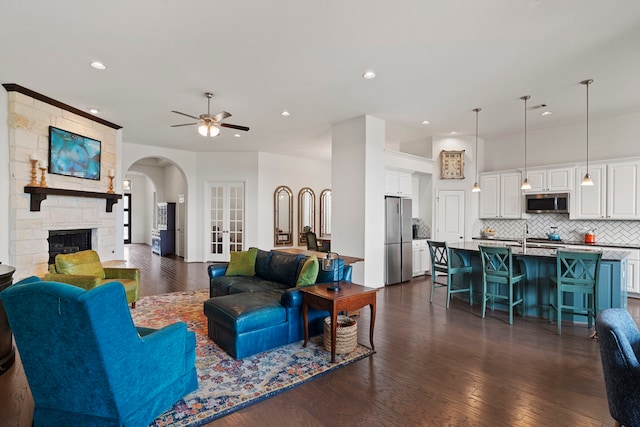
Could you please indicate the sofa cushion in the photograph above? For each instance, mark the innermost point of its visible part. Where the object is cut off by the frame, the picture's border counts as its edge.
(283, 268)
(262, 263)
(85, 263)
(246, 312)
(258, 285)
(309, 272)
(242, 263)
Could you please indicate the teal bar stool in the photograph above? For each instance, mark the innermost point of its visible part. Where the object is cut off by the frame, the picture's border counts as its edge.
(498, 270)
(451, 264)
(577, 273)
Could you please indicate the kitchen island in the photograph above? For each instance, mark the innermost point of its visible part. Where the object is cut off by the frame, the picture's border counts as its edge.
(539, 264)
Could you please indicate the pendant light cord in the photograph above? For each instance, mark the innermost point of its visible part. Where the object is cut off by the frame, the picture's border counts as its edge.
(477, 110)
(587, 84)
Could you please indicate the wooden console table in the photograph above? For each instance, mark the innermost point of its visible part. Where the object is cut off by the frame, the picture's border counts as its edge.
(349, 297)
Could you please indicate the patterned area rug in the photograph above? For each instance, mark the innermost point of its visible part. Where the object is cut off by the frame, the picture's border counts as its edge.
(225, 384)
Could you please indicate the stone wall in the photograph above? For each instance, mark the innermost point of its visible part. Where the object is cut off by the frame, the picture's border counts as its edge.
(28, 122)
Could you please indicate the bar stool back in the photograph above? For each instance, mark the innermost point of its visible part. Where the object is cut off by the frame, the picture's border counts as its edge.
(498, 270)
(577, 273)
(444, 261)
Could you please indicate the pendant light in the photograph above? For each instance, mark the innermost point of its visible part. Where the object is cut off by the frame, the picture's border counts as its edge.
(525, 184)
(587, 178)
(476, 187)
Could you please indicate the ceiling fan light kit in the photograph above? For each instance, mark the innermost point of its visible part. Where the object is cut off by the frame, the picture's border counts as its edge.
(208, 124)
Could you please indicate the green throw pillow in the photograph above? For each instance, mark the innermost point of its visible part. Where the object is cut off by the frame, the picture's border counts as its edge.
(242, 263)
(309, 272)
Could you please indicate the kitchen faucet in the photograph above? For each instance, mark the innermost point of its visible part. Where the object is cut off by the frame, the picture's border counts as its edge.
(525, 231)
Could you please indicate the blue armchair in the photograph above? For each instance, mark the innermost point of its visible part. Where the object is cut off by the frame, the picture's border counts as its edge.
(85, 361)
(619, 350)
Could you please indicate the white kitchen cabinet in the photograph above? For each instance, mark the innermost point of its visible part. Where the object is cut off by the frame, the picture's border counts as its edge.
(623, 184)
(421, 257)
(614, 194)
(633, 275)
(501, 196)
(589, 202)
(398, 184)
(417, 263)
(551, 180)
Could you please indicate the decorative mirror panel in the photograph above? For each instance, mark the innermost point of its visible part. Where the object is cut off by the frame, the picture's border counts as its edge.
(306, 214)
(325, 213)
(283, 216)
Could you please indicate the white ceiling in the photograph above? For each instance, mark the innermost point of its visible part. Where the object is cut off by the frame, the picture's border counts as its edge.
(434, 60)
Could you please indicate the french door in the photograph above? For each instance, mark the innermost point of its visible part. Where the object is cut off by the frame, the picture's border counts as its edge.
(224, 219)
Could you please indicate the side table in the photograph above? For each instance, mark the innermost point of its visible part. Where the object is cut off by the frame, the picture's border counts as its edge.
(349, 297)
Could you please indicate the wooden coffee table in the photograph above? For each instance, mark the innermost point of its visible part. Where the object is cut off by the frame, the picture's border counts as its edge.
(349, 297)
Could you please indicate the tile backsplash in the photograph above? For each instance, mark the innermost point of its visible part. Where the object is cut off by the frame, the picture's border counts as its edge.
(624, 232)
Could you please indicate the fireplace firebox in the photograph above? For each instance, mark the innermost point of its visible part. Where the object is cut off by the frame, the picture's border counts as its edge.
(68, 241)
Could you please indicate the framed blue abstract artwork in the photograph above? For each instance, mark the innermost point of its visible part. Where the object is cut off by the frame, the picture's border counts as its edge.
(73, 155)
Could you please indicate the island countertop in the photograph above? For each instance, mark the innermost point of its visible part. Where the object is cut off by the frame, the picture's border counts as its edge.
(536, 249)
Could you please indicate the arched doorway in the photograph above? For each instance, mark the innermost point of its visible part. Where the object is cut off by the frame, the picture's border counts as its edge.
(154, 181)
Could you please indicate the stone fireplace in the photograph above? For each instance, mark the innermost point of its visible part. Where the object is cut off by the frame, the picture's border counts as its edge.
(69, 204)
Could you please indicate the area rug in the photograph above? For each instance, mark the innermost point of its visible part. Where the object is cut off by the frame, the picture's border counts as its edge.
(225, 384)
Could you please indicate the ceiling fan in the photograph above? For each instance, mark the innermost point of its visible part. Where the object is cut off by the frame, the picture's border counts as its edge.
(208, 124)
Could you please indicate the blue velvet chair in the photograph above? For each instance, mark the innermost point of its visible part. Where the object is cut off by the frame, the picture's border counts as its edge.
(619, 341)
(85, 361)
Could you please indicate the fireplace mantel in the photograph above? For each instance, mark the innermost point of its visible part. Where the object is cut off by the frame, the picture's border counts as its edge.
(38, 194)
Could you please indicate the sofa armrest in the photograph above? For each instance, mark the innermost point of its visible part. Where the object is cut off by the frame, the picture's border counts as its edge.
(84, 282)
(122, 273)
(291, 297)
(216, 270)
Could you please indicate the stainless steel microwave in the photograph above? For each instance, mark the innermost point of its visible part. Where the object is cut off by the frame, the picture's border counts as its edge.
(547, 203)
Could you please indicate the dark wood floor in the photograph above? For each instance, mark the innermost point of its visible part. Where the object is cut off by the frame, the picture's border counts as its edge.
(433, 367)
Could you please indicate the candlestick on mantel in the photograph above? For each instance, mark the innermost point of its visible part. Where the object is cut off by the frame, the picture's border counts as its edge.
(34, 170)
(43, 177)
(110, 190)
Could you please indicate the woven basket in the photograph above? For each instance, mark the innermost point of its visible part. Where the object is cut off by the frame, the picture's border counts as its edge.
(346, 334)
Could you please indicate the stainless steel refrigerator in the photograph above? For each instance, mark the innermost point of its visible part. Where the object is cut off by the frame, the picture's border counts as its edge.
(398, 249)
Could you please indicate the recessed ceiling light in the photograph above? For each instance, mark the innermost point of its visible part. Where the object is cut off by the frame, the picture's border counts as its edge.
(369, 75)
(98, 65)
(285, 113)
(426, 122)
(237, 135)
(94, 110)
(453, 132)
(546, 113)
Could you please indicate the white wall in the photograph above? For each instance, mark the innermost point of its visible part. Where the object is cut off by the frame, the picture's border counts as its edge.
(358, 165)
(294, 172)
(174, 184)
(610, 138)
(458, 143)
(142, 208)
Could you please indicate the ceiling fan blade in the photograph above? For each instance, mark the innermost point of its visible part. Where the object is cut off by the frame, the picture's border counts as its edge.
(183, 124)
(218, 117)
(184, 114)
(227, 125)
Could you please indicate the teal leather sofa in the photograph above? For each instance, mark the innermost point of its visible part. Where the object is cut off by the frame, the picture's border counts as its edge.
(85, 361)
(250, 314)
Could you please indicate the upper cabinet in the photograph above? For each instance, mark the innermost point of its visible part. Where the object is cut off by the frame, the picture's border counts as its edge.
(501, 196)
(614, 194)
(551, 180)
(397, 184)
